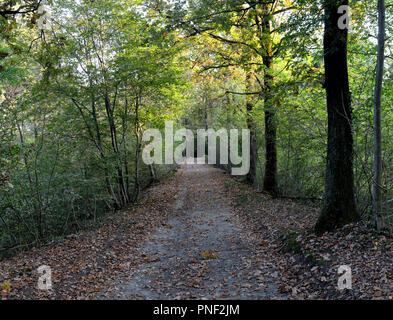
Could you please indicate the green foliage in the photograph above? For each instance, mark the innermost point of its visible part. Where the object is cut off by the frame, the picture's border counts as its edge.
(74, 104)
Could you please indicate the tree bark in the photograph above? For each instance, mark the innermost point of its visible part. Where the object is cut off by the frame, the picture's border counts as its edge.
(137, 151)
(377, 196)
(153, 174)
(123, 196)
(339, 207)
(270, 178)
(251, 176)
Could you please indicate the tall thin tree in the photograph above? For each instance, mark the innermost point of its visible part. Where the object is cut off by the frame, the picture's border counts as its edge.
(377, 199)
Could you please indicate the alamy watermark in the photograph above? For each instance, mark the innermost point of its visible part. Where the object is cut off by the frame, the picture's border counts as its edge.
(45, 279)
(45, 12)
(345, 278)
(185, 151)
(344, 21)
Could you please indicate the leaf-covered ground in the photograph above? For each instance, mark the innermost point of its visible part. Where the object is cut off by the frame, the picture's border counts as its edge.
(308, 264)
(203, 235)
(202, 251)
(89, 262)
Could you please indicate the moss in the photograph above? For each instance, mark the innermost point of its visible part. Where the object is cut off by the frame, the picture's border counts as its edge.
(289, 239)
(310, 258)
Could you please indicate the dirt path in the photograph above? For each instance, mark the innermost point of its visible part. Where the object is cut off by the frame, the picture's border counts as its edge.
(202, 251)
(202, 235)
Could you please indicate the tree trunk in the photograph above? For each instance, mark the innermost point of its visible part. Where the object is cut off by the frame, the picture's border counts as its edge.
(137, 152)
(270, 179)
(339, 207)
(228, 122)
(125, 153)
(102, 154)
(153, 174)
(251, 176)
(377, 201)
(115, 146)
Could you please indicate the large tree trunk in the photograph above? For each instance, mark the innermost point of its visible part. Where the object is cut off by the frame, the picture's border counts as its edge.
(251, 176)
(377, 201)
(339, 207)
(270, 179)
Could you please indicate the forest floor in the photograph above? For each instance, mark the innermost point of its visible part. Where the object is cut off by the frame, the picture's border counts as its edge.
(204, 235)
